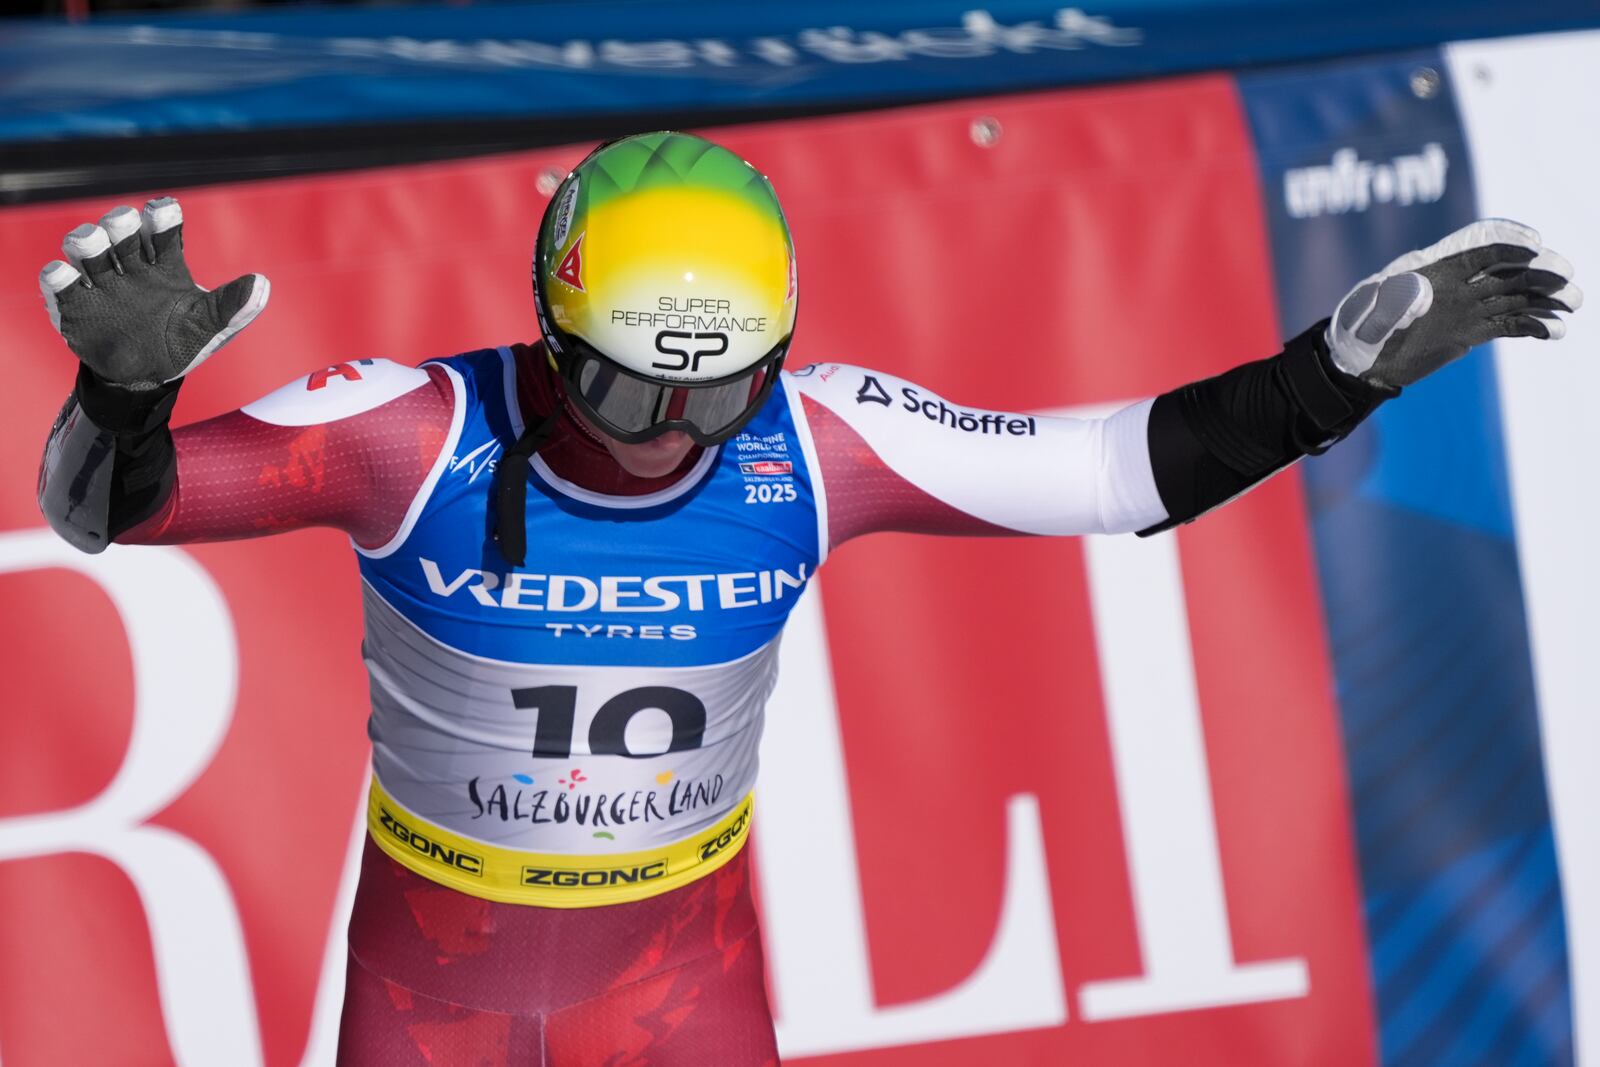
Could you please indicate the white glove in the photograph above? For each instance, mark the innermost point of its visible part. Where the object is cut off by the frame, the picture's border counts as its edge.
(126, 305)
(1490, 279)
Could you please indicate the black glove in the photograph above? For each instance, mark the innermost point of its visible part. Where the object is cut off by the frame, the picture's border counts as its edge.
(127, 306)
(1490, 279)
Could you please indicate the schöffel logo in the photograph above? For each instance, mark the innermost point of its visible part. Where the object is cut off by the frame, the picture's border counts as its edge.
(984, 422)
(1350, 183)
(768, 466)
(428, 848)
(872, 392)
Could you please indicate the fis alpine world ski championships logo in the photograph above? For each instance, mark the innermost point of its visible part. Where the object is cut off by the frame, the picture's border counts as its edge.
(768, 468)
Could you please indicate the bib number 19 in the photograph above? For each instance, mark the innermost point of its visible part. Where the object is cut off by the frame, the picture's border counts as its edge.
(557, 709)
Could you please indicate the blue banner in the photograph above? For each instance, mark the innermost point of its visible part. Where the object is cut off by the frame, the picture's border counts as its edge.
(1361, 162)
(196, 73)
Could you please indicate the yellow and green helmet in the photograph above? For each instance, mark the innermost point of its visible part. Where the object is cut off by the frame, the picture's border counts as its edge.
(665, 282)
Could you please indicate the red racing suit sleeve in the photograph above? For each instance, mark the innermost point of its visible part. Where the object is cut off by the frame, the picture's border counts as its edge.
(349, 446)
(891, 455)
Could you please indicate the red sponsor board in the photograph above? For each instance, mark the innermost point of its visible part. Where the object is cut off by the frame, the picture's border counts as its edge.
(965, 672)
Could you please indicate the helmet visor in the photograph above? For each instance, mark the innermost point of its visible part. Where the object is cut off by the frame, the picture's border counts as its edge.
(634, 409)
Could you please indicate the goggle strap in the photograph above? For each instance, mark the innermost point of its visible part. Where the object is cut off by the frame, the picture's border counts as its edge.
(511, 489)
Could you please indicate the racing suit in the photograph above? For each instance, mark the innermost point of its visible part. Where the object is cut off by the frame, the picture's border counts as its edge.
(564, 752)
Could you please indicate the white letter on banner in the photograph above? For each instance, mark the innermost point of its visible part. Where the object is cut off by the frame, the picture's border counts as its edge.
(322, 1046)
(811, 895)
(185, 675)
(1158, 750)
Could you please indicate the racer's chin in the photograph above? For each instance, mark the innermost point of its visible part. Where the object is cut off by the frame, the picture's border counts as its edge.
(654, 458)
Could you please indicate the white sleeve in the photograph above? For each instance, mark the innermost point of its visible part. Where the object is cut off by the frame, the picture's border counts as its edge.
(905, 458)
(337, 392)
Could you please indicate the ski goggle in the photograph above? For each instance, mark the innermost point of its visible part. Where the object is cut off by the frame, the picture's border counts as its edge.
(633, 408)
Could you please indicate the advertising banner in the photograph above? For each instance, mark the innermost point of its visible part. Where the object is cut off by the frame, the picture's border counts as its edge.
(1304, 782)
(211, 72)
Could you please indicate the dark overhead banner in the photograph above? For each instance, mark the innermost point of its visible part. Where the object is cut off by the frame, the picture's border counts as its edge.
(210, 73)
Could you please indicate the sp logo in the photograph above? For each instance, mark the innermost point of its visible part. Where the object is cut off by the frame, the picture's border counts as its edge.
(688, 349)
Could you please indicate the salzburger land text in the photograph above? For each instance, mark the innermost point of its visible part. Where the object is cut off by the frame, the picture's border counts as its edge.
(603, 809)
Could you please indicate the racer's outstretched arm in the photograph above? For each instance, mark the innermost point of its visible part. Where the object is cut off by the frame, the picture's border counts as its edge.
(347, 447)
(893, 456)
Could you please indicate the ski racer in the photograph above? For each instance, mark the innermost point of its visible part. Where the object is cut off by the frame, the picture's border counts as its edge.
(577, 556)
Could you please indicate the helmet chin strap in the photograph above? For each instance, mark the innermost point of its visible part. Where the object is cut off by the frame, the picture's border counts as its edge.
(579, 421)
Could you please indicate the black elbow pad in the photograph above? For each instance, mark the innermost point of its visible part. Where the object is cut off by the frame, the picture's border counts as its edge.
(109, 463)
(75, 479)
(1214, 439)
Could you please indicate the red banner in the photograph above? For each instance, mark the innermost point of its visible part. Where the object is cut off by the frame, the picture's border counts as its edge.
(1090, 796)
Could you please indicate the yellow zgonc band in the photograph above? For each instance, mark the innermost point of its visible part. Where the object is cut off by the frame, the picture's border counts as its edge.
(548, 880)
